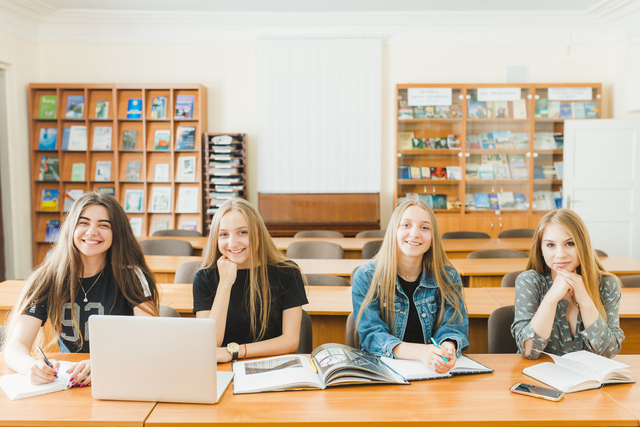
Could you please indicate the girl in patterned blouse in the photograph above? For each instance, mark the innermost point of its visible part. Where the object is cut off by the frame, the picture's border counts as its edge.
(566, 301)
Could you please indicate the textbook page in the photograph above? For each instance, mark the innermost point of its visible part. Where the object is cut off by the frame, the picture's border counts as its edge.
(414, 370)
(602, 368)
(17, 386)
(275, 373)
(561, 378)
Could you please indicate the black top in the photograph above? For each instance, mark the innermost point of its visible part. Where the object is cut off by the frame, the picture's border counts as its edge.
(287, 291)
(413, 333)
(103, 298)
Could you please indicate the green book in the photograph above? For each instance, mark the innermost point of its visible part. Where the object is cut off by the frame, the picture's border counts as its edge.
(48, 104)
(77, 171)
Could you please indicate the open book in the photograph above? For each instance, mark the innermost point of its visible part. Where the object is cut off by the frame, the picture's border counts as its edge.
(580, 370)
(17, 386)
(413, 370)
(330, 364)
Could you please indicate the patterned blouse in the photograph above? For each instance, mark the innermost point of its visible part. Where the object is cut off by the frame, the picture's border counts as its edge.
(603, 337)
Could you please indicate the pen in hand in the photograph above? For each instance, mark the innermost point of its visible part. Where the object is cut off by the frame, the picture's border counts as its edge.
(46, 360)
(437, 346)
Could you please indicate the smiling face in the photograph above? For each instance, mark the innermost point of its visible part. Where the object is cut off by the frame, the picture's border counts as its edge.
(414, 233)
(92, 235)
(233, 239)
(558, 249)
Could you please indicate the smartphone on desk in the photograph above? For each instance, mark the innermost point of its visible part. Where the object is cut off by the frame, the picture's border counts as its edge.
(536, 391)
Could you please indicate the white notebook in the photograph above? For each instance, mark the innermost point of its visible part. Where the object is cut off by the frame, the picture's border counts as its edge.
(17, 386)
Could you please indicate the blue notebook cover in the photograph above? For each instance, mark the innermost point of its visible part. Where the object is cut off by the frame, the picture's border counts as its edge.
(134, 109)
(48, 139)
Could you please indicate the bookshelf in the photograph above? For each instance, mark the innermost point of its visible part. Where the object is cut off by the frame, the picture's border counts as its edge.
(225, 166)
(471, 129)
(121, 155)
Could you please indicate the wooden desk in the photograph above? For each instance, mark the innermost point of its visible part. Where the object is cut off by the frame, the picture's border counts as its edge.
(470, 400)
(627, 395)
(164, 267)
(455, 248)
(74, 407)
(480, 273)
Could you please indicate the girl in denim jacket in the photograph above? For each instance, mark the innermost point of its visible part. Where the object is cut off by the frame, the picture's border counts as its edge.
(409, 295)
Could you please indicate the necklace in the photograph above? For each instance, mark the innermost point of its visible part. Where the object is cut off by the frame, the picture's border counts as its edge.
(94, 283)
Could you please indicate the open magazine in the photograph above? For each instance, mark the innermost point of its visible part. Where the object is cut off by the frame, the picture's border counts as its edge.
(329, 364)
(580, 370)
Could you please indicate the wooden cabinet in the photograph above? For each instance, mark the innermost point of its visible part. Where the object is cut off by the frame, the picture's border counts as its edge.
(139, 143)
(225, 166)
(486, 157)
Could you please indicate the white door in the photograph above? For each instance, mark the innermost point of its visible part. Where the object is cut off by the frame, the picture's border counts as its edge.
(602, 182)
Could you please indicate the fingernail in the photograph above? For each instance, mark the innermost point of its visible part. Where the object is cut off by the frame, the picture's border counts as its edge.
(75, 384)
(81, 385)
(70, 379)
(55, 373)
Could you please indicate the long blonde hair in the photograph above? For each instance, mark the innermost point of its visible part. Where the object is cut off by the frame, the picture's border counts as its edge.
(56, 280)
(590, 267)
(383, 284)
(263, 252)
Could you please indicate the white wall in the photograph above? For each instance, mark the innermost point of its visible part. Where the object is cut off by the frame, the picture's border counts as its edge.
(229, 73)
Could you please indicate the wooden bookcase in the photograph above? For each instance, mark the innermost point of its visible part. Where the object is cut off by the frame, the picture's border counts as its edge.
(144, 152)
(451, 109)
(225, 170)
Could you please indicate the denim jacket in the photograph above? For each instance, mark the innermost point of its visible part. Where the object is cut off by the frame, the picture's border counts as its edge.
(378, 338)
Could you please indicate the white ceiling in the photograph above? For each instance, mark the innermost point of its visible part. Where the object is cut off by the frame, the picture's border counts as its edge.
(305, 6)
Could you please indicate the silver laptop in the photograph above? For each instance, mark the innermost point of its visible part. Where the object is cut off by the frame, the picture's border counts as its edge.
(157, 359)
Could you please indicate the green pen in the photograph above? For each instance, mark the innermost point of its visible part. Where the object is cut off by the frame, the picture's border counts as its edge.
(437, 346)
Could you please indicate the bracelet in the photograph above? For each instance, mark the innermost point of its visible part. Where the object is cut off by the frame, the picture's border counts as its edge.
(245, 351)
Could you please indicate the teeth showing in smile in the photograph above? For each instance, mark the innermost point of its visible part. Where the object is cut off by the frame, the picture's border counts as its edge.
(91, 242)
(236, 252)
(413, 243)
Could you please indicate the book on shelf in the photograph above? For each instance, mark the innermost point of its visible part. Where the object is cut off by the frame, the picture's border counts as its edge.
(455, 110)
(469, 202)
(17, 386)
(159, 107)
(75, 138)
(229, 187)
(187, 169)
(161, 199)
(49, 169)
(419, 112)
(501, 171)
(416, 172)
(78, 171)
(52, 231)
(544, 141)
(519, 109)
(506, 200)
(48, 106)
(184, 106)
(490, 110)
(75, 107)
(537, 172)
(102, 109)
(543, 200)
(493, 201)
(549, 171)
(473, 142)
(453, 142)
(438, 172)
(441, 143)
(500, 109)
(161, 172)
(190, 225)
(481, 200)
(222, 140)
(429, 143)
(542, 108)
(329, 364)
(520, 201)
(518, 166)
(49, 200)
(159, 226)
(579, 111)
(111, 191)
(429, 111)
(188, 199)
(103, 170)
(443, 112)
(417, 143)
(578, 371)
(566, 110)
(487, 141)
(133, 170)
(486, 172)
(559, 140)
(553, 109)
(454, 172)
(102, 137)
(559, 169)
(591, 110)
(405, 113)
(453, 203)
(48, 139)
(136, 226)
(404, 140)
(416, 370)
(223, 195)
(471, 171)
(439, 201)
(133, 200)
(134, 108)
(129, 139)
(503, 139)
(494, 159)
(70, 196)
(521, 140)
(425, 171)
(185, 138)
(477, 109)
(162, 139)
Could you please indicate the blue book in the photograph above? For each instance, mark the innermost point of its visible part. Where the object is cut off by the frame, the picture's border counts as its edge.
(439, 201)
(487, 141)
(65, 138)
(481, 200)
(53, 231)
(75, 107)
(493, 201)
(186, 138)
(404, 172)
(184, 106)
(520, 201)
(134, 109)
(48, 138)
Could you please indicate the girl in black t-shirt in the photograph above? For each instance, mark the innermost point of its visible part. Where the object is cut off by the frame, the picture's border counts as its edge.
(252, 291)
(98, 265)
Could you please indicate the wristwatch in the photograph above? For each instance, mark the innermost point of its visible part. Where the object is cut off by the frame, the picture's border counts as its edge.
(233, 348)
